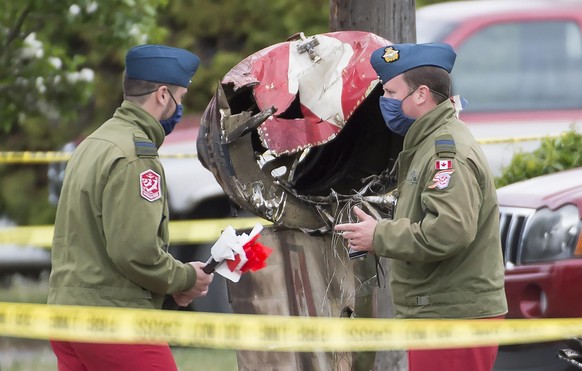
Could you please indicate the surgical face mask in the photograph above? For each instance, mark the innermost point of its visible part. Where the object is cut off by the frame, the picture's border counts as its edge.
(169, 123)
(393, 115)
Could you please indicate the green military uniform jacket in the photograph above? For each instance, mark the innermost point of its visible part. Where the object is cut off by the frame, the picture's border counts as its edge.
(444, 239)
(111, 229)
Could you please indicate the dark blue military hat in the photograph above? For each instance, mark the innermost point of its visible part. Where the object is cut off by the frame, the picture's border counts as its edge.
(158, 63)
(392, 60)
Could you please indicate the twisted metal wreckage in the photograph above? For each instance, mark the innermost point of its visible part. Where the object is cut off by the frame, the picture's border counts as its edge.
(294, 131)
(294, 134)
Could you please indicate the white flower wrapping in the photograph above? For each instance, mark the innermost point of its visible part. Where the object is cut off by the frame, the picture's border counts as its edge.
(228, 246)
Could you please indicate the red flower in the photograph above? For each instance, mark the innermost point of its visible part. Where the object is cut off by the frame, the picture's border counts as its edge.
(256, 253)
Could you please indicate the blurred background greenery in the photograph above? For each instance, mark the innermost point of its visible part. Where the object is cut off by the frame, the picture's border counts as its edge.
(61, 63)
(553, 154)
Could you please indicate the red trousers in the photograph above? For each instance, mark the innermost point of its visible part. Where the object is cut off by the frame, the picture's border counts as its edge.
(458, 359)
(73, 356)
(474, 359)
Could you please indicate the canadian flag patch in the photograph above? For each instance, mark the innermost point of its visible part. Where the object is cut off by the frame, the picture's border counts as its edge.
(150, 186)
(443, 164)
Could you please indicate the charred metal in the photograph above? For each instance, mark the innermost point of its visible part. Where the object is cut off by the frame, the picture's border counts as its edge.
(294, 133)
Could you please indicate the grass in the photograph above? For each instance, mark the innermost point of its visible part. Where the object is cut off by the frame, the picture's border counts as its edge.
(28, 354)
(204, 359)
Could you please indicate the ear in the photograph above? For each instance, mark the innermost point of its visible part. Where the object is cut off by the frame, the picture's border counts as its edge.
(162, 94)
(424, 94)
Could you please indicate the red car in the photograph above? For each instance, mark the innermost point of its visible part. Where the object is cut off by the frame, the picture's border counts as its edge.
(541, 224)
(519, 65)
(540, 229)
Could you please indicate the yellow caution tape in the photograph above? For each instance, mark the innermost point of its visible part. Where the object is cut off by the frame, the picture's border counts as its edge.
(29, 157)
(38, 235)
(270, 333)
(181, 232)
(516, 139)
(208, 230)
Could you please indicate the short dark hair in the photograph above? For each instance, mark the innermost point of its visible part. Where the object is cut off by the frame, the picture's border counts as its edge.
(437, 79)
(137, 90)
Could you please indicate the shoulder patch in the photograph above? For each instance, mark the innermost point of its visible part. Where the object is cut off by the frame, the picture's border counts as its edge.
(443, 164)
(444, 146)
(441, 179)
(150, 185)
(144, 147)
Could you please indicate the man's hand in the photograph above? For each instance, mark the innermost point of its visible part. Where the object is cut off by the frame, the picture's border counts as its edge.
(200, 288)
(360, 236)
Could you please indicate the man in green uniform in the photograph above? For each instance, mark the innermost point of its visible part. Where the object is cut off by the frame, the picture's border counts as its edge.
(444, 245)
(110, 245)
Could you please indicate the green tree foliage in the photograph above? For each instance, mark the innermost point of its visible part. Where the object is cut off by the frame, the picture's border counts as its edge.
(51, 52)
(62, 63)
(553, 155)
(224, 32)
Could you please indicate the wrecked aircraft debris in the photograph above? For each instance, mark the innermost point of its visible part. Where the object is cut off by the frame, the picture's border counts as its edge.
(294, 131)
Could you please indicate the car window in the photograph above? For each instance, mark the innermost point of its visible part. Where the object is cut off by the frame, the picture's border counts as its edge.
(521, 66)
(432, 30)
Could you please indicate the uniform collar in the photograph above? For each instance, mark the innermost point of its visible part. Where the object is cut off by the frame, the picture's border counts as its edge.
(427, 124)
(137, 116)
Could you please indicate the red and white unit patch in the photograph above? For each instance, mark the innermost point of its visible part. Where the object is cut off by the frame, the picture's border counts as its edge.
(150, 186)
(443, 164)
(441, 179)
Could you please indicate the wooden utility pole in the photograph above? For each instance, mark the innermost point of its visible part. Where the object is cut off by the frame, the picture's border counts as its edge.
(394, 20)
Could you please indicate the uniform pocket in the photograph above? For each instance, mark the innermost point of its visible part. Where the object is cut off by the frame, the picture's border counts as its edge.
(124, 293)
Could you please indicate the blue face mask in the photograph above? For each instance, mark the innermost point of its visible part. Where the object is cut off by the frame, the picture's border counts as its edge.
(393, 115)
(169, 123)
